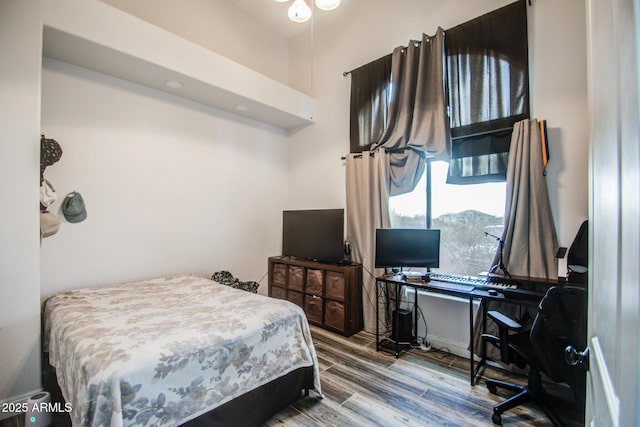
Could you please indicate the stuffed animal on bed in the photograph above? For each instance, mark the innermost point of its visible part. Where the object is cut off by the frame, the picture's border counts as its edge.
(227, 279)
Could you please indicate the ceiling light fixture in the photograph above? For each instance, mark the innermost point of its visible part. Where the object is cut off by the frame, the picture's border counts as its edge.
(300, 10)
(327, 4)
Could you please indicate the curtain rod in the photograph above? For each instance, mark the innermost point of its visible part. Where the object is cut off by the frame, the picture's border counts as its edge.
(359, 156)
(389, 150)
(399, 149)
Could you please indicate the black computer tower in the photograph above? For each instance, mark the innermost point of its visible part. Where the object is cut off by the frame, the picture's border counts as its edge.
(402, 326)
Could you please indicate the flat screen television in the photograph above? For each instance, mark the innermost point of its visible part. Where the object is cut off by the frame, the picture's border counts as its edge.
(407, 247)
(316, 235)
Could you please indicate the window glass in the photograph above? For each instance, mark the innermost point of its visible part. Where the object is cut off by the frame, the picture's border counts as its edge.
(463, 213)
(409, 210)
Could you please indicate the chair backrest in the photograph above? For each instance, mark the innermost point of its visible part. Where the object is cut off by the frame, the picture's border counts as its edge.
(578, 256)
(561, 321)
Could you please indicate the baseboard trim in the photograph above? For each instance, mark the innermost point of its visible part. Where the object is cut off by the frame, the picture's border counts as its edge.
(455, 347)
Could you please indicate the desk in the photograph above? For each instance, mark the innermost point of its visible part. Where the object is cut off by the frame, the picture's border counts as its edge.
(480, 294)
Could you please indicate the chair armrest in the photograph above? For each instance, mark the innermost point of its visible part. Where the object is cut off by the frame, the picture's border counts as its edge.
(505, 324)
(491, 339)
(504, 321)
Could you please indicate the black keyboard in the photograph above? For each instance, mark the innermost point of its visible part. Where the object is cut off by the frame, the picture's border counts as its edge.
(451, 286)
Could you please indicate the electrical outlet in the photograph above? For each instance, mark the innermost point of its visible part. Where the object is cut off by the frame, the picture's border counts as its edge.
(425, 346)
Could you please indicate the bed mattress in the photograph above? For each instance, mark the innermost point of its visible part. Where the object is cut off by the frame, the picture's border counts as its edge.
(166, 350)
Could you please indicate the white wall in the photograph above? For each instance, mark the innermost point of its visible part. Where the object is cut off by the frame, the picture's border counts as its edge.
(558, 61)
(220, 26)
(557, 52)
(20, 47)
(170, 185)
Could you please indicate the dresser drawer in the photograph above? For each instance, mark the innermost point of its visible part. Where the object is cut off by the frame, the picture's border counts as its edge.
(334, 315)
(313, 308)
(296, 278)
(279, 293)
(335, 285)
(314, 282)
(296, 298)
(279, 274)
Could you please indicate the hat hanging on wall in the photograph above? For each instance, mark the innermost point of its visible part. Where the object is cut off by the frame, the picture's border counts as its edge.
(50, 153)
(47, 194)
(73, 207)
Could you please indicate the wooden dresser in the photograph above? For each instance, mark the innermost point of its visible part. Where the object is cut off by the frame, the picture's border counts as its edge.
(329, 294)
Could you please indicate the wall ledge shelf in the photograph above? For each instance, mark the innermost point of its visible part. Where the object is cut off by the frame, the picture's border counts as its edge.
(99, 37)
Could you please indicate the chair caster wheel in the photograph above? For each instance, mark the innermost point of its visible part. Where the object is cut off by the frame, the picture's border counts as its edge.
(497, 419)
(492, 388)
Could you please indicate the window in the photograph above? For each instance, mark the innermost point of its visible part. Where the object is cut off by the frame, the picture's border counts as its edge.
(463, 213)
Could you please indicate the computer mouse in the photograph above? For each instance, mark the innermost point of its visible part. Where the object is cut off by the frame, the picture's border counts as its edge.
(493, 292)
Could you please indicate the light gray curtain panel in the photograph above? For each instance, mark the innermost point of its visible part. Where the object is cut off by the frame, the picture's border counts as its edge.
(530, 239)
(417, 123)
(367, 210)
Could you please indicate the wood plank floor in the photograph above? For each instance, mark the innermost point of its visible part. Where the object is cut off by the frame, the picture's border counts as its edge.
(363, 387)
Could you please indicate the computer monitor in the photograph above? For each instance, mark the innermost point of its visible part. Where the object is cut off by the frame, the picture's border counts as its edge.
(407, 247)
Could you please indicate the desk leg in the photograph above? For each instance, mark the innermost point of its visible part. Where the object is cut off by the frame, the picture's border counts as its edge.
(396, 320)
(484, 307)
(471, 362)
(415, 313)
(377, 317)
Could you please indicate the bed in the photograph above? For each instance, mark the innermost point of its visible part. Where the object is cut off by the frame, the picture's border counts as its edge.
(168, 350)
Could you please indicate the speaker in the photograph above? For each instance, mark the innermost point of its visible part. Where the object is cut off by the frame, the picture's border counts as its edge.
(402, 326)
(37, 414)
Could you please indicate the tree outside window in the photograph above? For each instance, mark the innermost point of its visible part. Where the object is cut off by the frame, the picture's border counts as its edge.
(463, 213)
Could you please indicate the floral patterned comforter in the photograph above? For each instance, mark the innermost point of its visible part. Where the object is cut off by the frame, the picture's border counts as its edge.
(163, 351)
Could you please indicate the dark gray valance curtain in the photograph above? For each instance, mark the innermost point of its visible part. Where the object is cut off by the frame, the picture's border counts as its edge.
(417, 122)
(370, 86)
(488, 78)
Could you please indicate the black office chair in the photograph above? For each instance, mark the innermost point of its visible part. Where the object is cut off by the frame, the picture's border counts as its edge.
(560, 322)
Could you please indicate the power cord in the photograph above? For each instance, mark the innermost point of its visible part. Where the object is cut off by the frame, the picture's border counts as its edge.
(424, 345)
